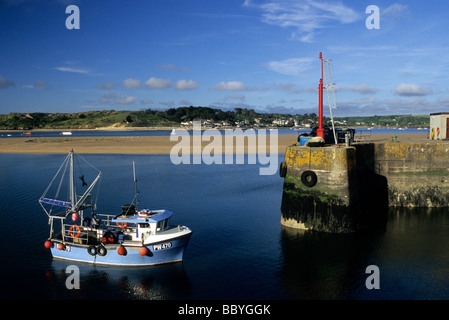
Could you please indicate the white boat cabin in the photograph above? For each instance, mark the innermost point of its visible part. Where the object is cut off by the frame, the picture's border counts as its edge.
(143, 224)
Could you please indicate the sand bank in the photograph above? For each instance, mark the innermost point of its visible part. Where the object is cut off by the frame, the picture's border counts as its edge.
(149, 144)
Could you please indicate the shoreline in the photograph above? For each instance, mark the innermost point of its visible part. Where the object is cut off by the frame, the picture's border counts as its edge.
(169, 128)
(159, 144)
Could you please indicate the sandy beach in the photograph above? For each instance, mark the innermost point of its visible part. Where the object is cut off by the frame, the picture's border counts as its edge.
(152, 144)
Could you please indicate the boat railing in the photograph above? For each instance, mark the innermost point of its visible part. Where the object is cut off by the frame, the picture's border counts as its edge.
(78, 234)
(105, 219)
(86, 234)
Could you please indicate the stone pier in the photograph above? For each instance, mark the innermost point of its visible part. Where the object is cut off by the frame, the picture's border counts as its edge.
(343, 189)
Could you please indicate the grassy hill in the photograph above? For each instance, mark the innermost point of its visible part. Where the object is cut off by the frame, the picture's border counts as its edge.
(176, 116)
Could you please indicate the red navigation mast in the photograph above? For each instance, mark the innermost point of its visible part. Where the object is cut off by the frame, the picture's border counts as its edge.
(320, 130)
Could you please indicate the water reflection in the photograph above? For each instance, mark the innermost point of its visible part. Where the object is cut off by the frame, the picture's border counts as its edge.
(412, 254)
(325, 266)
(159, 282)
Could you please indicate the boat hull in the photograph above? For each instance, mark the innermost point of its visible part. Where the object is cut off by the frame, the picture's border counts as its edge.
(171, 250)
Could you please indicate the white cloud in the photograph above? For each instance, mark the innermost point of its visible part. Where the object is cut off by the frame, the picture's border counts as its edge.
(132, 83)
(411, 90)
(293, 66)
(126, 100)
(396, 9)
(304, 17)
(156, 83)
(373, 106)
(229, 86)
(75, 70)
(6, 83)
(186, 85)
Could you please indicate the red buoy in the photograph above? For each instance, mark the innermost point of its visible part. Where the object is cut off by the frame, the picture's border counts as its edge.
(121, 251)
(74, 216)
(60, 246)
(48, 244)
(143, 251)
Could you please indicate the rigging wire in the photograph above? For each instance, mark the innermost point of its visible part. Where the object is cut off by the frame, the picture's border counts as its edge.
(62, 172)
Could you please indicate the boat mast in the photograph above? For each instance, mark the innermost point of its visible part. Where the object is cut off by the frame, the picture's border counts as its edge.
(72, 184)
(135, 184)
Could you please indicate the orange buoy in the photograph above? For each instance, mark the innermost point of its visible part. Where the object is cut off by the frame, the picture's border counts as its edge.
(60, 246)
(143, 251)
(48, 244)
(121, 251)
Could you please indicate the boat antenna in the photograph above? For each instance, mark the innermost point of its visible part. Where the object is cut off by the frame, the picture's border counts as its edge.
(320, 130)
(135, 183)
(331, 86)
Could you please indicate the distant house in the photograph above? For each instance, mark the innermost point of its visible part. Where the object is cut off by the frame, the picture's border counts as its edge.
(439, 126)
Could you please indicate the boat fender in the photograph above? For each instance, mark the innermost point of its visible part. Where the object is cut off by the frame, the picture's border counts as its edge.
(309, 178)
(122, 251)
(102, 251)
(48, 244)
(143, 251)
(283, 170)
(92, 250)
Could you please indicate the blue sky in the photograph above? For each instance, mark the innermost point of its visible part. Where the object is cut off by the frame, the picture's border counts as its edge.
(259, 54)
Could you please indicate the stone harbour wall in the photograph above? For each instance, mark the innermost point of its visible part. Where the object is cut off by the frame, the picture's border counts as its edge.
(417, 173)
(343, 189)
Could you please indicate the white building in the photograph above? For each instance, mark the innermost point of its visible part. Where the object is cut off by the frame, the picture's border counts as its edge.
(439, 126)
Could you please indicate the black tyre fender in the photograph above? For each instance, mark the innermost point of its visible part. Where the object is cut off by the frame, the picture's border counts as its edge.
(101, 250)
(92, 250)
(309, 178)
(283, 170)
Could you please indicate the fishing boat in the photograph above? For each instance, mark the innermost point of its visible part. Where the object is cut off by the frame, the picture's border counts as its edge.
(66, 133)
(133, 237)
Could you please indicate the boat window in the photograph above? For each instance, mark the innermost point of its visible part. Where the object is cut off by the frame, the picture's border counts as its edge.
(161, 225)
(144, 225)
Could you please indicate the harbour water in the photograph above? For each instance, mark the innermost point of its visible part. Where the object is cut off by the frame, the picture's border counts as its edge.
(130, 133)
(238, 249)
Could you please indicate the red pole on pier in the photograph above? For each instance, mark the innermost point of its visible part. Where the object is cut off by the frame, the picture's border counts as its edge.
(320, 130)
